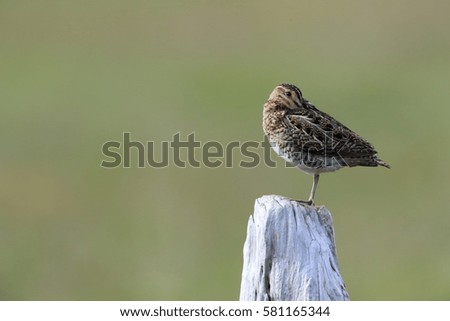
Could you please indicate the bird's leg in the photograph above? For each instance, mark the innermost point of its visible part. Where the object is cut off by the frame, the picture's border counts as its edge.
(310, 201)
(313, 189)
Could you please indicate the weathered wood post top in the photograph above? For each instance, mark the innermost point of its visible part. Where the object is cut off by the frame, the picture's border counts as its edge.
(290, 253)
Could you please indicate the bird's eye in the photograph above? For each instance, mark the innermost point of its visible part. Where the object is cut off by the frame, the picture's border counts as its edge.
(288, 93)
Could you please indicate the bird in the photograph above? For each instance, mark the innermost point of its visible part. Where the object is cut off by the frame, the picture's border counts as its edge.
(310, 139)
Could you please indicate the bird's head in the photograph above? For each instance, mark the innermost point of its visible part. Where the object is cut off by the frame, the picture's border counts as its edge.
(287, 95)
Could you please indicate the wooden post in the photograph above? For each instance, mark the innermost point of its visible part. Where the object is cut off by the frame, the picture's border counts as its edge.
(290, 254)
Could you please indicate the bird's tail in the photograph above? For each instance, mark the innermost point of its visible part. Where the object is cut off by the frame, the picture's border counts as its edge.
(381, 163)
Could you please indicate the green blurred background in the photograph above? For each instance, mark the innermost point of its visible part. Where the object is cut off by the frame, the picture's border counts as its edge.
(75, 74)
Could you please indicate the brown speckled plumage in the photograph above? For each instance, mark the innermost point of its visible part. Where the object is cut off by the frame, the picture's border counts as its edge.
(311, 139)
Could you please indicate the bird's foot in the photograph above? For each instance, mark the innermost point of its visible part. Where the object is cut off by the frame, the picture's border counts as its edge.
(308, 202)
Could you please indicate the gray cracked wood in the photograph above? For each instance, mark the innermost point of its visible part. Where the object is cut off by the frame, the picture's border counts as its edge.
(290, 254)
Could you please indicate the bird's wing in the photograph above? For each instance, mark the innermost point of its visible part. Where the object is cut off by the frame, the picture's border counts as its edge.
(305, 133)
(324, 134)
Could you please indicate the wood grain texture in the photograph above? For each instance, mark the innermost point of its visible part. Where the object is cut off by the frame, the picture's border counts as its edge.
(290, 254)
